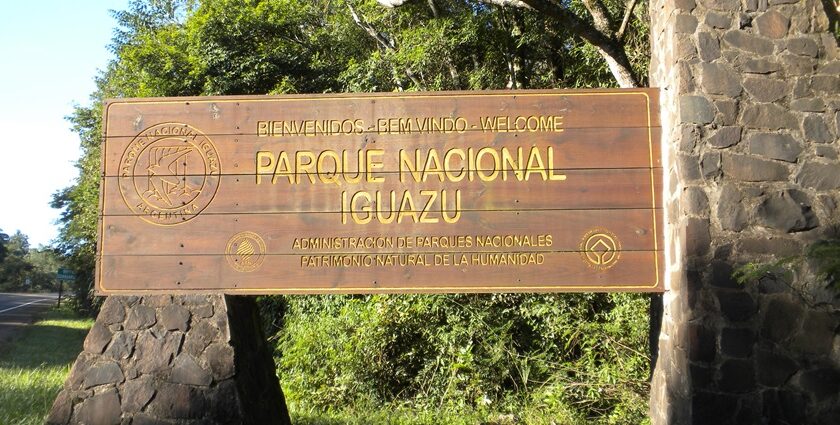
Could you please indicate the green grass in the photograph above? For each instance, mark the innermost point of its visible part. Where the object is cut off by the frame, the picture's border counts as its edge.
(34, 366)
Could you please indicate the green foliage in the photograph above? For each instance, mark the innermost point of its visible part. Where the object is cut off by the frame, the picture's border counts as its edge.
(23, 268)
(33, 368)
(822, 256)
(570, 357)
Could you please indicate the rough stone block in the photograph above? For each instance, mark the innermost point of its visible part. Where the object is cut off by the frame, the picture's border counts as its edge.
(122, 345)
(816, 130)
(201, 335)
(698, 238)
(826, 151)
(186, 371)
(694, 201)
(710, 165)
(719, 79)
(802, 46)
(798, 65)
(819, 176)
(688, 167)
(725, 137)
(685, 24)
(769, 116)
(772, 24)
(728, 110)
(696, 109)
(140, 317)
(737, 376)
(748, 42)
(157, 301)
(730, 211)
(712, 408)
(155, 354)
(708, 46)
(106, 372)
(736, 306)
(781, 319)
(811, 104)
(766, 89)
(175, 401)
(760, 66)
(821, 329)
(774, 368)
(779, 247)
(829, 68)
(702, 344)
(97, 339)
(221, 361)
(175, 317)
(789, 211)
(101, 409)
(726, 5)
(718, 20)
(751, 169)
(778, 146)
(136, 394)
(786, 405)
(736, 342)
(821, 382)
(112, 311)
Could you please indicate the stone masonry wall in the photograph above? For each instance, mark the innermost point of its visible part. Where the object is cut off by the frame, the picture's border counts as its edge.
(750, 97)
(195, 359)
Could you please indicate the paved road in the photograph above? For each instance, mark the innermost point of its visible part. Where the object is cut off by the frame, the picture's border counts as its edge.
(18, 310)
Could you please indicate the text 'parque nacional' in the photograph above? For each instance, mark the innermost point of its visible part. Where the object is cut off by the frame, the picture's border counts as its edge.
(504, 191)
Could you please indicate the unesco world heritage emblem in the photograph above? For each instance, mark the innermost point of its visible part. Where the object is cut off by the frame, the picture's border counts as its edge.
(169, 173)
(600, 249)
(245, 251)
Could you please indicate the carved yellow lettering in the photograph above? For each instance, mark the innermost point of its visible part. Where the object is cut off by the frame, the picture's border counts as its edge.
(373, 163)
(262, 167)
(447, 164)
(424, 215)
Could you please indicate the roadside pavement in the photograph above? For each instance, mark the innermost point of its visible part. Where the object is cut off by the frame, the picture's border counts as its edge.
(19, 310)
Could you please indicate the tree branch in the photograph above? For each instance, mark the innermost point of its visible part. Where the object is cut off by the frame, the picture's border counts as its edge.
(628, 13)
(384, 42)
(609, 48)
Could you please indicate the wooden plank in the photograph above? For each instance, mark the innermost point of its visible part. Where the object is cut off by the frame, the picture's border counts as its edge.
(582, 189)
(236, 115)
(227, 194)
(576, 148)
(523, 231)
(559, 271)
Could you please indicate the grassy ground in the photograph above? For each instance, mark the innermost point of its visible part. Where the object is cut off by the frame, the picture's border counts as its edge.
(35, 365)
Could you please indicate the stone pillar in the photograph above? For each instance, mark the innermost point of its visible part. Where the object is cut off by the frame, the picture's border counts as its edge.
(750, 99)
(194, 359)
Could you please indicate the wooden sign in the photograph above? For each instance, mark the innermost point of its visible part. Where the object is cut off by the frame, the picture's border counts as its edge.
(502, 191)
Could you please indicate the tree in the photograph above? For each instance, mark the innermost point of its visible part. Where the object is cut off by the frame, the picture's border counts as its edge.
(602, 28)
(15, 269)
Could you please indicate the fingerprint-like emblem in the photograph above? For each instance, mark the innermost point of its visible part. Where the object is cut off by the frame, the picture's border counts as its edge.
(245, 251)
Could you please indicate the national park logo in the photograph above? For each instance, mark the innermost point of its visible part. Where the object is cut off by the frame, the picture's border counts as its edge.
(169, 173)
(600, 249)
(245, 251)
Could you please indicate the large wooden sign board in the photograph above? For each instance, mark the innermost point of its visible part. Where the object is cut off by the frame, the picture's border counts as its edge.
(502, 191)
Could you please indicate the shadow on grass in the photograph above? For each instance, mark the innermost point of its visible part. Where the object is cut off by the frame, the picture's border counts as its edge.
(43, 345)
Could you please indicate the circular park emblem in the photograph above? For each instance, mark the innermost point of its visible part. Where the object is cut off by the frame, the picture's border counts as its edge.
(245, 251)
(169, 173)
(600, 249)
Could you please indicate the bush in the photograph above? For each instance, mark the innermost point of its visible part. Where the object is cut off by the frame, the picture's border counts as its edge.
(570, 357)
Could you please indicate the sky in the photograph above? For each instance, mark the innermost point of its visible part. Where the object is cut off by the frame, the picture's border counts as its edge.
(51, 51)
